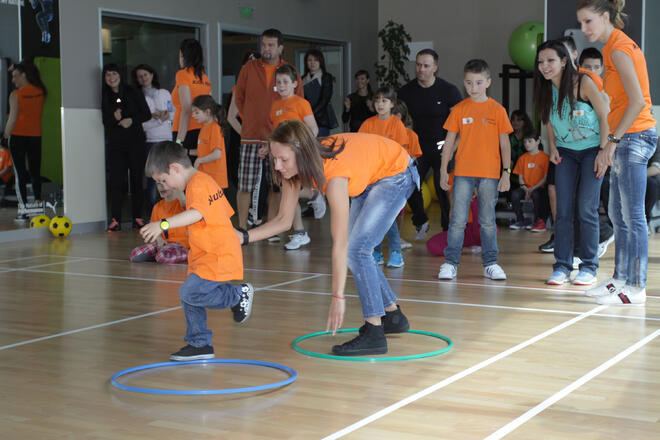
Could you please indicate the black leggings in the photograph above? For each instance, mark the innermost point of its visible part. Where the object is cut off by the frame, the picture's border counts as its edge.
(120, 160)
(424, 163)
(22, 147)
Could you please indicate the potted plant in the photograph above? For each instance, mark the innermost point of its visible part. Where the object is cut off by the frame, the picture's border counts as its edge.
(390, 70)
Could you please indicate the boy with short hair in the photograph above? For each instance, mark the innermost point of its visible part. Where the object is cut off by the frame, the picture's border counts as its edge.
(592, 59)
(215, 252)
(483, 126)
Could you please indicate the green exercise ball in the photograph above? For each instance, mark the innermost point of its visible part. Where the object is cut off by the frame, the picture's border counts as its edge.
(523, 43)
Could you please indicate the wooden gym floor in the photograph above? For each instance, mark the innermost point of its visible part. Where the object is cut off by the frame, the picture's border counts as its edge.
(528, 361)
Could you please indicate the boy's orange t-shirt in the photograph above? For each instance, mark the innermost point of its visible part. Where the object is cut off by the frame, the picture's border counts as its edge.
(30, 107)
(479, 125)
(164, 209)
(293, 107)
(391, 128)
(210, 138)
(215, 252)
(614, 87)
(413, 148)
(186, 77)
(5, 161)
(365, 159)
(533, 167)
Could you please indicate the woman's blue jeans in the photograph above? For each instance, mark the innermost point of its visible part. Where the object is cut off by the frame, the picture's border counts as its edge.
(576, 183)
(626, 207)
(371, 215)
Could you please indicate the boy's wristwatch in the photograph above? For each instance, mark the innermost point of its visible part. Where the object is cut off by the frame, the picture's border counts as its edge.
(246, 236)
(508, 170)
(164, 226)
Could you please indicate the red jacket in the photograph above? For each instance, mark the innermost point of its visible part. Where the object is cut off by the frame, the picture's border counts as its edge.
(253, 98)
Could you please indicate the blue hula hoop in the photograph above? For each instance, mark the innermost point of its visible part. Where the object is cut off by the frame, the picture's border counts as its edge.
(293, 375)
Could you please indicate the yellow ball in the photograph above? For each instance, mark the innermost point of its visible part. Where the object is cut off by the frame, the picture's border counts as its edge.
(431, 186)
(60, 226)
(39, 221)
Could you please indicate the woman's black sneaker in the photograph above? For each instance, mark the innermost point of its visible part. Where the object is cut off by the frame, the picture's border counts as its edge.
(190, 353)
(548, 246)
(372, 341)
(393, 322)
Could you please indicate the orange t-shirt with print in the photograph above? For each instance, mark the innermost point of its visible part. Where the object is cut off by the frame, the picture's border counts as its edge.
(210, 138)
(614, 87)
(30, 107)
(5, 161)
(413, 148)
(165, 209)
(293, 107)
(197, 86)
(595, 78)
(365, 159)
(533, 167)
(215, 252)
(479, 125)
(391, 128)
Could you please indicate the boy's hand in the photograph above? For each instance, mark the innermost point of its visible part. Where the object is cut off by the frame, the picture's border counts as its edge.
(126, 122)
(528, 193)
(150, 232)
(504, 184)
(444, 180)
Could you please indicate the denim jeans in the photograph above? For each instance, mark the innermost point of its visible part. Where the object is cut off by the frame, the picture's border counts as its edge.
(393, 239)
(371, 215)
(577, 185)
(626, 207)
(487, 197)
(197, 295)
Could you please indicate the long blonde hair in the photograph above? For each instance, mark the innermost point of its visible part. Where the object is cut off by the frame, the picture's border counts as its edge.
(613, 7)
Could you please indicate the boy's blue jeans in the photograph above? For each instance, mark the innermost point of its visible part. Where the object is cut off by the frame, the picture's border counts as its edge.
(197, 295)
(371, 215)
(626, 207)
(577, 184)
(462, 195)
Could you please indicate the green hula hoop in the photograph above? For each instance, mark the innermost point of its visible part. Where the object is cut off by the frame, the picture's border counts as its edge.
(372, 359)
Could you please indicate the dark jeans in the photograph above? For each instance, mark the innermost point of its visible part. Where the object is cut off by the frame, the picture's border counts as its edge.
(652, 195)
(122, 159)
(539, 198)
(432, 161)
(22, 147)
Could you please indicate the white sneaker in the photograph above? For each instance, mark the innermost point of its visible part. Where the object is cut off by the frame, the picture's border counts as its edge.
(602, 247)
(420, 232)
(624, 296)
(447, 272)
(273, 239)
(318, 205)
(607, 287)
(494, 272)
(584, 279)
(297, 240)
(405, 244)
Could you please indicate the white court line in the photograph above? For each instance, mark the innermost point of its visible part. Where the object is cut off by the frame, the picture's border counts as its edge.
(106, 324)
(32, 257)
(448, 381)
(509, 427)
(30, 268)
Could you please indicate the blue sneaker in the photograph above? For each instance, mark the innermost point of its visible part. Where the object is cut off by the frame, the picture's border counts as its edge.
(378, 257)
(584, 279)
(558, 278)
(396, 260)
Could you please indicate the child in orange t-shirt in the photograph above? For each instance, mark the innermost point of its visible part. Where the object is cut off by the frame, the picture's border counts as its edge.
(532, 169)
(6, 168)
(215, 251)
(483, 160)
(170, 247)
(292, 106)
(387, 125)
(211, 156)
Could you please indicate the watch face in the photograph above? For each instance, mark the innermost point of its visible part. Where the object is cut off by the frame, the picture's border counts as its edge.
(164, 225)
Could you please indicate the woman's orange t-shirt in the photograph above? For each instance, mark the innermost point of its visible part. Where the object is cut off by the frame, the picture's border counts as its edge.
(293, 107)
(479, 125)
(215, 252)
(30, 107)
(391, 128)
(533, 167)
(186, 77)
(413, 148)
(165, 209)
(365, 159)
(210, 138)
(614, 87)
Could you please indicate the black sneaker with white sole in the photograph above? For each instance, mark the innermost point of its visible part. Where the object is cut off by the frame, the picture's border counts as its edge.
(548, 246)
(243, 308)
(371, 341)
(190, 353)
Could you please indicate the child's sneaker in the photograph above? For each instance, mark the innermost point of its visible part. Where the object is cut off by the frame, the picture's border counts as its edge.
(607, 287)
(447, 272)
(318, 205)
(190, 353)
(378, 257)
(624, 296)
(420, 231)
(405, 244)
(539, 226)
(557, 278)
(494, 272)
(517, 225)
(584, 279)
(243, 308)
(297, 240)
(396, 260)
(371, 341)
(114, 226)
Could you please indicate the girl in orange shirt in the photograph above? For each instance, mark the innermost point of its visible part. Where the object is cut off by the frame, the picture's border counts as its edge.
(366, 180)
(387, 125)
(631, 143)
(210, 152)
